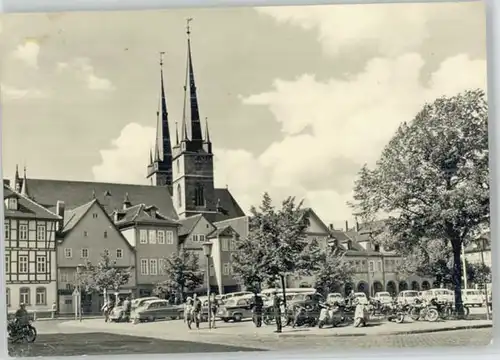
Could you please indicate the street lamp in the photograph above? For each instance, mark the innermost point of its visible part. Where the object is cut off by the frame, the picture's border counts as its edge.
(483, 244)
(207, 251)
(79, 292)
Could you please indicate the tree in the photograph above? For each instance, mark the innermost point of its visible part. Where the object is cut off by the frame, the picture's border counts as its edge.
(333, 271)
(104, 276)
(478, 273)
(432, 180)
(280, 244)
(182, 272)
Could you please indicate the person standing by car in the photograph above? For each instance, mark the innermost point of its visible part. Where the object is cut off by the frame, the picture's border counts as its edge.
(277, 311)
(214, 304)
(127, 307)
(106, 310)
(197, 305)
(257, 305)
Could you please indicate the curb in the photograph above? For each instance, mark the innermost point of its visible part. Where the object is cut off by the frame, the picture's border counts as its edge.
(389, 333)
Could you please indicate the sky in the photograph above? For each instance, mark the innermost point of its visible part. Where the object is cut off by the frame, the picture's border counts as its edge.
(297, 98)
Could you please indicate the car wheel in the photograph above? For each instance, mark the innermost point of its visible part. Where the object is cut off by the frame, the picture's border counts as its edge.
(225, 320)
(173, 318)
(237, 317)
(151, 319)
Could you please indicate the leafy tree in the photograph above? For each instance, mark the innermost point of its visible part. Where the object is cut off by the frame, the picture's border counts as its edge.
(333, 271)
(104, 276)
(432, 180)
(182, 272)
(478, 273)
(280, 244)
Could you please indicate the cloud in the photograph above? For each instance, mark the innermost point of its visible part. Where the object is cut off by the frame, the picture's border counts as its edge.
(126, 158)
(13, 93)
(393, 28)
(85, 72)
(349, 122)
(28, 53)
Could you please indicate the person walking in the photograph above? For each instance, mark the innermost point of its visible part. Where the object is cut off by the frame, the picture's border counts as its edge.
(188, 309)
(214, 304)
(197, 306)
(257, 305)
(54, 310)
(127, 305)
(277, 311)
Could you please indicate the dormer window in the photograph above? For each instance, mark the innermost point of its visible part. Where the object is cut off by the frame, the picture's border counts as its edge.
(377, 248)
(12, 203)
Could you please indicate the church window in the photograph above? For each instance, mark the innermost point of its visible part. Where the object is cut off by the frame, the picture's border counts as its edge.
(199, 197)
(179, 195)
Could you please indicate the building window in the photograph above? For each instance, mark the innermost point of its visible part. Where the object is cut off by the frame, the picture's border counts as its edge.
(119, 253)
(7, 230)
(7, 263)
(24, 296)
(84, 253)
(23, 264)
(195, 237)
(152, 236)
(161, 237)
(63, 277)
(144, 267)
(225, 244)
(201, 237)
(225, 268)
(170, 237)
(7, 293)
(377, 247)
(41, 264)
(68, 253)
(23, 231)
(153, 267)
(199, 196)
(94, 216)
(85, 234)
(105, 234)
(161, 266)
(379, 266)
(12, 203)
(143, 236)
(41, 232)
(371, 266)
(41, 296)
(178, 165)
(179, 195)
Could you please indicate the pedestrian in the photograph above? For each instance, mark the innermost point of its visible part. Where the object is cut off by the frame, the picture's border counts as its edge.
(105, 310)
(197, 306)
(54, 310)
(277, 311)
(188, 311)
(214, 306)
(257, 305)
(127, 305)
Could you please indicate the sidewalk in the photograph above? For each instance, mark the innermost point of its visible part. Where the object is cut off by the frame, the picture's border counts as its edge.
(176, 330)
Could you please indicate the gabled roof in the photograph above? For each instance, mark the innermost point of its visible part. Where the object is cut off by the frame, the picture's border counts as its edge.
(240, 225)
(27, 208)
(109, 195)
(142, 214)
(312, 214)
(224, 231)
(73, 217)
(188, 224)
(228, 207)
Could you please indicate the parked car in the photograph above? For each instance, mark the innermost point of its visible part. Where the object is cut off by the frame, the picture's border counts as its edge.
(384, 297)
(407, 297)
(236, 309)
(473, 297)
(235, 294)
(157, 310)
(442, 295)
(335, 297)
(361, 297)
(141, 301)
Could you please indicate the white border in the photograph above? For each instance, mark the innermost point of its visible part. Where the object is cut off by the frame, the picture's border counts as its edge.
(493, 50)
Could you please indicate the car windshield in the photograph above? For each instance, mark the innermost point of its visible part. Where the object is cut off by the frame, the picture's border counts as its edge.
(384, 294)
(360, 295)
(411, 294)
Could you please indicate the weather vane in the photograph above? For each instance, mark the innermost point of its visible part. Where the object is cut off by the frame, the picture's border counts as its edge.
(162, 54)
(188, 28)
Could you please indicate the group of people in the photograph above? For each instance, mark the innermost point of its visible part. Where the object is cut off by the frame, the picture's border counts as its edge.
(193, 311)
(109, 305)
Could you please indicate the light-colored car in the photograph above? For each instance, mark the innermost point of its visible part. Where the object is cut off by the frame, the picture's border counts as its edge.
(157, 310)
(335, 298)
(472, 297)
(407, 297)
(236, 309)
(360, 297)
(235, 294)
(384, 297)
(441, 295)
(141, 301)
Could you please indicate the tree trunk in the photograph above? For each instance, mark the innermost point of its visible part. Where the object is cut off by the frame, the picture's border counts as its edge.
(283, 289)
(457, 278)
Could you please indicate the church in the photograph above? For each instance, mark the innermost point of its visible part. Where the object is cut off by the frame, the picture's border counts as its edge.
(181, 197)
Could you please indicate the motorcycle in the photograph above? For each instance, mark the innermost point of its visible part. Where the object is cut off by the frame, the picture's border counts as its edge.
(25, 333)
(330, 315)
(304, 316)
(361, 315)
(424, 311)
(399, 311)
(379, 309)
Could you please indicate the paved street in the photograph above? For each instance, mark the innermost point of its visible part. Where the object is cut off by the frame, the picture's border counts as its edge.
(111, 344)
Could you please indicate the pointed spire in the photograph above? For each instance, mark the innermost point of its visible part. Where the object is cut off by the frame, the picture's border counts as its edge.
(17, 180)
(24, 187)
(207, 134)
(166, 149)
(150, 156)
(192, 107)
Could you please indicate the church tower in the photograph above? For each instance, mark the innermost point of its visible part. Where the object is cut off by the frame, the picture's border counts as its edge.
(193, 165)
(160, 159)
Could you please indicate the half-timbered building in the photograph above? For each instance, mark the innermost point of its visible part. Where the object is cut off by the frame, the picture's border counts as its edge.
(30, 252)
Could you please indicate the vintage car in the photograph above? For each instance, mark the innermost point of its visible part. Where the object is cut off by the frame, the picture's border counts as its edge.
(441, 295)
(383, 297)
(333, 298)
(236, 309)
(471, 297)
(408, 297)
(141, 301)
(157, 310)
(238, 294)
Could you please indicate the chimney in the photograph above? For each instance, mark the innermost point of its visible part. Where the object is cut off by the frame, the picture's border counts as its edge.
(116, 216)
(6, 182)
(357, 226)
(346, 225)
(331, 227)
(60, 212)
(126, 202)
